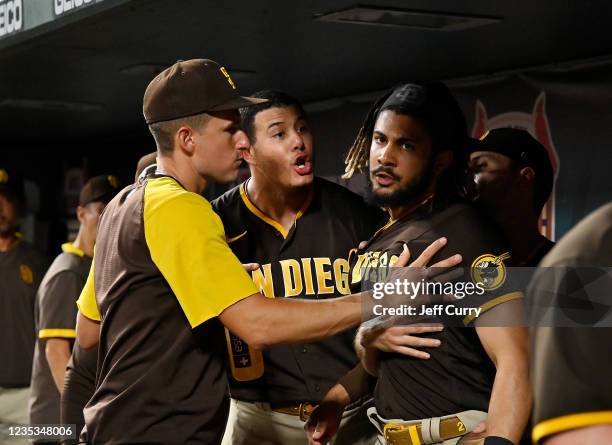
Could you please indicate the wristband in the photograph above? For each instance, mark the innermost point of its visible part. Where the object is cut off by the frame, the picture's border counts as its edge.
(496, 440)
(355, 382)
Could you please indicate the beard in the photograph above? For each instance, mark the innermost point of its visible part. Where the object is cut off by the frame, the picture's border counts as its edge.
(8, 229)
(407, 193)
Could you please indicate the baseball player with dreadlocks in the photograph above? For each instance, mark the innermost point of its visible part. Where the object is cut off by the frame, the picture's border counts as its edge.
(411, 143)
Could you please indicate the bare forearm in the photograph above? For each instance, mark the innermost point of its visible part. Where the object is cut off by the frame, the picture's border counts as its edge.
(264, 322)
(510, 403)
(58, 355)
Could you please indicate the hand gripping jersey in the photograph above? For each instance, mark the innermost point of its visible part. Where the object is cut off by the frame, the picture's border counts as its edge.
(459, 375)
(308, 261)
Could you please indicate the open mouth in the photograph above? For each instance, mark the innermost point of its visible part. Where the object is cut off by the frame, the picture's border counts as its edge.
(384, 179)
(303, 166)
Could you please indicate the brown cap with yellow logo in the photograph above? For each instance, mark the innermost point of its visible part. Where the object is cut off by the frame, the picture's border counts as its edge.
(101, 188)
(191, 87)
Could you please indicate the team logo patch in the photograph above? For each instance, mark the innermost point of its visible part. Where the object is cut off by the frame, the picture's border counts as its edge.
(227, 76)
(489, 270)
(26, 274)
(113, 181)
(4, 177)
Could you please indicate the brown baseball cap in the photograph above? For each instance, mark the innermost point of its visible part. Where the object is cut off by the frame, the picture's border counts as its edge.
(101, 188)
(144, 162)
(191, 87)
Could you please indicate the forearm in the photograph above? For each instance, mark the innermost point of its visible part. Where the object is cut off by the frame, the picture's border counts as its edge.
(58, 354)
(510, 403)
(355, 384)
(264, 322)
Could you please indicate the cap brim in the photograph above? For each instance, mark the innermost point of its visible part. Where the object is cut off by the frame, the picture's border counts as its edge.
(238, 102)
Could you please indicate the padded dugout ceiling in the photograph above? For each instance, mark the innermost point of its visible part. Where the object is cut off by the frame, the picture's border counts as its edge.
(90, 73)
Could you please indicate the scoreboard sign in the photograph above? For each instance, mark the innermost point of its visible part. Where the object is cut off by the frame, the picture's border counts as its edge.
(63, 6)
(11, 17)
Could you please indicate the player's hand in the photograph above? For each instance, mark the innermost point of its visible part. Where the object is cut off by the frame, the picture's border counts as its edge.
(401, 339)
(480, 428)
(250, 267)
(417, 271)
(425, 257)
(324, 421)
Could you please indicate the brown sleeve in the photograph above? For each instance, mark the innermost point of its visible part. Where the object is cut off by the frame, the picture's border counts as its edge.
(356, 382)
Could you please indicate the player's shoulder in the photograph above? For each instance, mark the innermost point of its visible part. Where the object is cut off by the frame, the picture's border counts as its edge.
(339, 197)
(165, 192)
(463, 217)
(70, 262)
(470, 232)
(588, 243)
(31, 256)
(228, 200)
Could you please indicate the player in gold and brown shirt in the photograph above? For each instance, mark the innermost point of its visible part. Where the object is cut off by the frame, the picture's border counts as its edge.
(55, 303)
(21, 270)
(163, 277)
(411, 144)
(571, 359)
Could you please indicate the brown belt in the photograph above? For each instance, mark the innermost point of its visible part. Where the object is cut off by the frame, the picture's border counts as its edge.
(302, 410)
(398, 434)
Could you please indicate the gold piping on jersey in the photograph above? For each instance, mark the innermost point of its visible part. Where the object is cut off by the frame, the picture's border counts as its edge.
(261, 215)
(71, 248)
(569, 422)
(236, 238)
(492, 303)
(57, 333)
(411, 210)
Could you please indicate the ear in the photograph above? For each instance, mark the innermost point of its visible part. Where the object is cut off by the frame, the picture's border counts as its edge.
(80, 214)
(184, 140)
(248, 152)
(527, 175)
(442, 162)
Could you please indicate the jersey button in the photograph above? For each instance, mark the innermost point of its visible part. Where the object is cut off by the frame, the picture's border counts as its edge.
(304, 350)
(317, 388)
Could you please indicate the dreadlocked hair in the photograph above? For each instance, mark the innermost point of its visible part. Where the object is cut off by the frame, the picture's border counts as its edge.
(359, 153)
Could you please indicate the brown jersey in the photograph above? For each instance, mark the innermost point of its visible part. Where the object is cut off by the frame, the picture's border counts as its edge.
(571, 365)
(459, 374)
(55, 313)
(162, 273)
(21, 271)
(309, 261)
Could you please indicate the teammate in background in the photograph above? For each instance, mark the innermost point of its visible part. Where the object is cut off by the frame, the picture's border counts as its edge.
(511, 179)
(571, 363)
(143, 163)
(21, 270)
(299, 228)
(412, 142)
(165, 277)
(55, 311)
(80, 379)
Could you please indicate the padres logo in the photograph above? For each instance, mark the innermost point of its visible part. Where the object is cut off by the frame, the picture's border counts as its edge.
(227, 76)
(489, 270)
(26, 274)
(4, 177)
